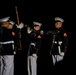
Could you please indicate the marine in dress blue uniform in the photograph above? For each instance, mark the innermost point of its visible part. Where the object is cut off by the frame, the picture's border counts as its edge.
(59, 42)
(34, 46)
(7, 36)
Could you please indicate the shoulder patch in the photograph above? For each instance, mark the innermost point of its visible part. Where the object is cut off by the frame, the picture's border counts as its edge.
(39, 37)
(65, 35)
(13, 33)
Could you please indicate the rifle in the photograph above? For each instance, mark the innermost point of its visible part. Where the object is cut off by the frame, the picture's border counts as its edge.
(18, 22)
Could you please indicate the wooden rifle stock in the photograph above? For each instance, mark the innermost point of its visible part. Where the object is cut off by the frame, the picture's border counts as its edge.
(18, 22)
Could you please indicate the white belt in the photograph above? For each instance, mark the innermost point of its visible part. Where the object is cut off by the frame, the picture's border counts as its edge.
(59, 42)
(7, 42)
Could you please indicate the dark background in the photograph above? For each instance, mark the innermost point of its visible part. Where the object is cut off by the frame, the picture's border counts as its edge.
(44, 12)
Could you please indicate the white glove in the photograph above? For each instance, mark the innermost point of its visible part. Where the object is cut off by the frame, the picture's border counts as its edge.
(29, 30)
(34, 55)
(14, 52)
(41, 32)
(20, 26)
(62, 53)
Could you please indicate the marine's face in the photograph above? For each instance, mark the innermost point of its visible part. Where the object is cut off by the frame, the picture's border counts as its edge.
(37, 28)
(5, 24)
(10, 26)
(58, 24)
